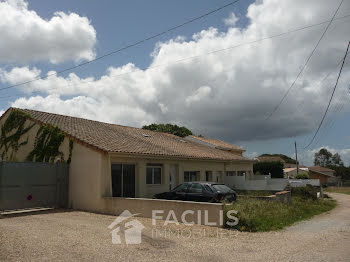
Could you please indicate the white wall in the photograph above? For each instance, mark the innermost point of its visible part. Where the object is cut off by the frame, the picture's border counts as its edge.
(266, 184)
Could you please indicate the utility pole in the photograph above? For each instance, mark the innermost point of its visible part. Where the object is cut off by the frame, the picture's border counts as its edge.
(296, 156)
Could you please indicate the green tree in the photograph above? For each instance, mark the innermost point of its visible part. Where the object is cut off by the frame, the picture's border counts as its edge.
(169, 128)
(323, 158)
(301, 176)
(336, 160)
(274, 168)
(284, 157)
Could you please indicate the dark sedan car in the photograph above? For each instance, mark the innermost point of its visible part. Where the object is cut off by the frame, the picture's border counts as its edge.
(199, 191)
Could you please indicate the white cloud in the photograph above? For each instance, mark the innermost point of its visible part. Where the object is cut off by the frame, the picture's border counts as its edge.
(227, 94)
(199, 95)
(26, 37)
(231, 20)
(251, 155)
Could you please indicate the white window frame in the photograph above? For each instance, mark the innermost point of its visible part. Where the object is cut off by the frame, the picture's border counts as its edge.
(161, 174)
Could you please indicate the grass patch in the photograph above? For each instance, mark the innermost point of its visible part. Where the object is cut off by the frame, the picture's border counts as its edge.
(342, 190)
(261, 215)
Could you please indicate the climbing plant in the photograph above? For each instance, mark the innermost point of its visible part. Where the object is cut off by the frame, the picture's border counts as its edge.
(11, 132)
(46, 146)
(70, 151)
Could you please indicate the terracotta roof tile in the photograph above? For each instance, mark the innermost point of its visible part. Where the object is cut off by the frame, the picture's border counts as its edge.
(124, 139)
(218, 143)
(321, 169)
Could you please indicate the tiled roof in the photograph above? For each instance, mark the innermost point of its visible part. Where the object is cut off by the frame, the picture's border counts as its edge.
(130, 140)
(286, 170)
(321, 169)
(218, 143)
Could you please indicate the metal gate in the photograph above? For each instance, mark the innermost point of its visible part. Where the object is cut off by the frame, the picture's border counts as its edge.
(33, 184)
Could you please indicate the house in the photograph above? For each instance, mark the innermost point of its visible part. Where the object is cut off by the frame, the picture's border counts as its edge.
(108, 160)
(292, 171)
(325, 175)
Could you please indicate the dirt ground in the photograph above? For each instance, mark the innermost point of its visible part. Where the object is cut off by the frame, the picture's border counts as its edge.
(73, 235)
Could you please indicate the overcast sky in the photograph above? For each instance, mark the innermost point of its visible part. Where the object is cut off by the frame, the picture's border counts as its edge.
(178, 78)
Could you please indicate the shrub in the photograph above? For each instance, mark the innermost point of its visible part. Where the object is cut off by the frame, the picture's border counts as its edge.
(307, 192)
(274, 168)
(301, 176)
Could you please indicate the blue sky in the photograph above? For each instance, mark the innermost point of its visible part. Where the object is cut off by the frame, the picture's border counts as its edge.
(119, 23)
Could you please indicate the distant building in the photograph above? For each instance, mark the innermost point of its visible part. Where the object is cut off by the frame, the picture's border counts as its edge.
(291, 172)
(325, 175)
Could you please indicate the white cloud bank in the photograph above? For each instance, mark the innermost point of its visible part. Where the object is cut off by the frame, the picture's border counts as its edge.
(227, 94)
(26, 37)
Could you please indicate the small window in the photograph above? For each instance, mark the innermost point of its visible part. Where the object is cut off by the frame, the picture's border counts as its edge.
(154, 175)
(190, 176)
(208, 175)
(240, 173)
(230, 173)
(196, 188)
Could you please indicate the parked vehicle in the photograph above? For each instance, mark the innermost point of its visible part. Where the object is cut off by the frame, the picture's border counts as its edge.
(200, 191)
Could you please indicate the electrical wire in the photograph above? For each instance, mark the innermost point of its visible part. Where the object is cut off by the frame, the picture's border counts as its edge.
(305, 64)
(331, 98)
(188, 58)
(126, 47)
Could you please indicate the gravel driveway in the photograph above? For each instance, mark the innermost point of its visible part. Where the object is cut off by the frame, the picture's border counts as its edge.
(74, 235)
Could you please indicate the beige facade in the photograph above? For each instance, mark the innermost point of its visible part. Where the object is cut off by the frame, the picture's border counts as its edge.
(90, 180)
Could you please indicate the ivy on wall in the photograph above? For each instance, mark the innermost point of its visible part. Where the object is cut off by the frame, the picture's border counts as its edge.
(11, 132)
(46, 145)
(47, 140)
(70, 151)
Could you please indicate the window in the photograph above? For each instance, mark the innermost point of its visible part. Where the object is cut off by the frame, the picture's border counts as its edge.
(190, 176)
(195, 188)
(123, 180)
(230, 173)
(208, 188)
(208, 175)
(181, 188)
(240, 173)
(154, 174)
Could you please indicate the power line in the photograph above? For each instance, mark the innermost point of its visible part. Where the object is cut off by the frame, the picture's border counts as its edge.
(307, 61)
(331, 121)
(330, 100)
(189, 58)
(128, 46)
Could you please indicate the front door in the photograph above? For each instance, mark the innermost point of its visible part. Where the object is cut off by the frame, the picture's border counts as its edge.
(123, 180)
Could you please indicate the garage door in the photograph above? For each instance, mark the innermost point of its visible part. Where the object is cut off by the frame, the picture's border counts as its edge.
(28, 185)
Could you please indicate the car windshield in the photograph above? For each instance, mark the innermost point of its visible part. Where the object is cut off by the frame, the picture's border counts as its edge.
(223, 188)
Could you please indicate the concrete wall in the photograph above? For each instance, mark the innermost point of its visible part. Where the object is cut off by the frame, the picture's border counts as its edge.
(266, 184)
(143, 207)
(304, 182)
